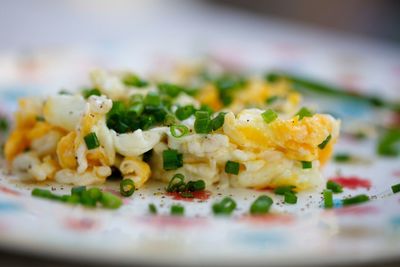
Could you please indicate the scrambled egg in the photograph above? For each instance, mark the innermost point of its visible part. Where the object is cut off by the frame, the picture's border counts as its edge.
(49, 138)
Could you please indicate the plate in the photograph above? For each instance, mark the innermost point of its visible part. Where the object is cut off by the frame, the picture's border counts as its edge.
(301, 234)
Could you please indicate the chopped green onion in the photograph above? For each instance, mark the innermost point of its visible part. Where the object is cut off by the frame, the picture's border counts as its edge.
(152, 208)
(389, 143)
(182, 113)
(89, 92)
(78, 190)
(193, 186)
(304, 112)
(169, 89)
(152, 99)
(306, 164)
(328, 199)
(3, 124)
(261, 205)
(177, 183)
(110, 201)
(206, 108)
(95, 193)
(202, 124)
(225, 207)
(177, 210)
(131, 79)
(396, 188)
(232, 167)
(91, 141)
(290, 198)
(281, 190)
(218, 121)
(127, 187)
(137, 108)
(271, 100)
(87, 200)
(342, 157)
(72, 199)
(325, 142)
(269, 115)
(355, 200)
(179, 131)
(335, 187)
(43, 193)
(172, 160)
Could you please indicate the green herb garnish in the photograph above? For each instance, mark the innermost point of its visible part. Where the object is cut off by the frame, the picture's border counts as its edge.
(232, 167)
(269, 116)
(261, 205)
(355, 200)
(127, 187)
(225, 207)
(91, 141)
(172, 159)
(335, 187)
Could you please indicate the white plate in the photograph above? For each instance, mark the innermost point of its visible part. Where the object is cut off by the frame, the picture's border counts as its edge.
(293, 234)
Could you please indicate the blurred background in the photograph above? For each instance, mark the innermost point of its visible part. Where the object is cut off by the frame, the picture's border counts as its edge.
(26, 24)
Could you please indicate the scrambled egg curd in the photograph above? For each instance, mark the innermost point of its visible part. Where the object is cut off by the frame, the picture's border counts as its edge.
(245, 132)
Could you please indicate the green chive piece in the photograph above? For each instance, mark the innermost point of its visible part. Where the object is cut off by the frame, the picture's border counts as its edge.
(78, 190)
(73, 199)
(335, 187)
(95, 193)
(176, 183)
(177, 210)
(269, 115)
(152, 208)
(202, 124)
(110, 201)
(342, 157)
(91, 141)
(261, 205)
(89, 92)
(325, 142)
(131, 79)
(43, 193)
(152, 99)
(306, 164)
(182, 113)
(169, 89)
(38, 118)
(281, 190)
(396, 188)
(87, 200)
(127, 187)
(179, 131)
(218, 121)
(232, 167)
(328, 199)
(172, 160)
(304, 112)
(290, 198)
(194, 186)
(389, 143)
(355, 200)
(225, 207)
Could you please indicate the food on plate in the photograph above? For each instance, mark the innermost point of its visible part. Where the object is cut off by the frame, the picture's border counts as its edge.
(245, 132)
